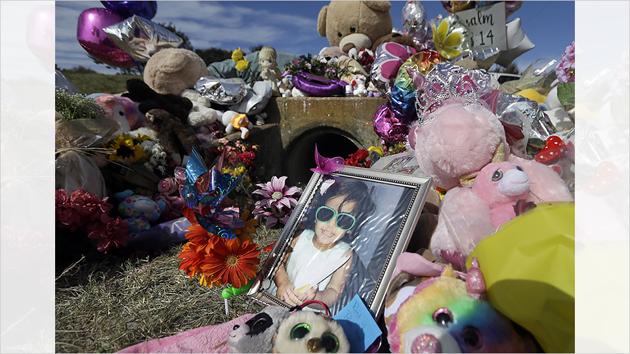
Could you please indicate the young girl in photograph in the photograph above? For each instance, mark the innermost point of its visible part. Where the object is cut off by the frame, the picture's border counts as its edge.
(316, 266)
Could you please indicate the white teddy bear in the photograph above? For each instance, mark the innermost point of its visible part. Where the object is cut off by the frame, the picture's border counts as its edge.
(201, 113)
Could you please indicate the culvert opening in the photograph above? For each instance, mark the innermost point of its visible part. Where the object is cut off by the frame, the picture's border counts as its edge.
(300, 153)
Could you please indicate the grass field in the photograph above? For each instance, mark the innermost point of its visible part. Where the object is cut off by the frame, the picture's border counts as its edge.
(88, 82)
(107, 306)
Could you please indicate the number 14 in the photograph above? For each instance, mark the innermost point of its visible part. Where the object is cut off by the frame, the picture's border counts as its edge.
(489, 36)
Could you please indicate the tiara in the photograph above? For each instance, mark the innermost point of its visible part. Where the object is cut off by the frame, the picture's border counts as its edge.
(447, 82)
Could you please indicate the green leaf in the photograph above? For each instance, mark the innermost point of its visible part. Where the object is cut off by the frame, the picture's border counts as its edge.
(566, 94)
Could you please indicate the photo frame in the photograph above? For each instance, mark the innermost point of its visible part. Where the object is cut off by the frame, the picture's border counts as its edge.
(374, 214)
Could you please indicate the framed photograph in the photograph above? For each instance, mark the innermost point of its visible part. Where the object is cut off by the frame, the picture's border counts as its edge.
(342, 239)
(404, 162)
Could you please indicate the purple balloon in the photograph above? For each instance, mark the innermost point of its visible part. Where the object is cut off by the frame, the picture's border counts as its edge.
(95, 41)
(388, 127)
(146, 9)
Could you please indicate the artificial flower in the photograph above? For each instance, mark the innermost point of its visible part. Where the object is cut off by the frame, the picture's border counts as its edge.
(277, 194)
(249, 227)
(236, 171)
(565, 71)
(360, 158)
(109, 235)
(127, 149)
(447, 42)
(233, 263)
(241, 65)
(200, 239)
(237, 54)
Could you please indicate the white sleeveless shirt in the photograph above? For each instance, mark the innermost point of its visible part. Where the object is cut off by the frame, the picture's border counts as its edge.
(309, 266)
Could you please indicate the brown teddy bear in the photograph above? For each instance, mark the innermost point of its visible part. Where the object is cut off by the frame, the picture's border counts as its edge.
(172, 70)
(358, 24)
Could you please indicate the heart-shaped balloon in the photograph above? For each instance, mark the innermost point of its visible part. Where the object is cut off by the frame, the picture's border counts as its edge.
(146, 9)
(554, 149)
(95, 41)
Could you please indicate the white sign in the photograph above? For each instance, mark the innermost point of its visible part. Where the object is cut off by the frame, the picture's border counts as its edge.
(485, 26)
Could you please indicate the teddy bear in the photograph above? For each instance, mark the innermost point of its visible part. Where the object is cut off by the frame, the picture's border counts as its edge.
(121, 109)
(430, 308)
(357, 86)
(201, 113)
(355, 25)
(172, 70)
(147, 98)
(236, 121)
(176, 136)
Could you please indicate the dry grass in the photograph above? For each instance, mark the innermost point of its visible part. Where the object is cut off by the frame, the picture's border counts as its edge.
(108, 306)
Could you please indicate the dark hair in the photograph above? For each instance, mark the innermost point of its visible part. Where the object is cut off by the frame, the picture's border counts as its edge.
(354, 191)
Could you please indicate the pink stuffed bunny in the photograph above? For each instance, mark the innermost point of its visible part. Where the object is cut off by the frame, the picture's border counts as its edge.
(122, 110)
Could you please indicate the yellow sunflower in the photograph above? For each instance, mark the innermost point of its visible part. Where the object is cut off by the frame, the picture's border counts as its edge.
(126, 149)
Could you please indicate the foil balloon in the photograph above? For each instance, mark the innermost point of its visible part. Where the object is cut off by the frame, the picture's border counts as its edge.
(142, 38)
(456, 6)
(415, 24)
(146, 9)
(388, 126)
(94, 40)
(402, 99)
(388, 58)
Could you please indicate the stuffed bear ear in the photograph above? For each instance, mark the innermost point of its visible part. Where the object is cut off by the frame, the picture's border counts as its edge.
(380, 6)
(321, 21)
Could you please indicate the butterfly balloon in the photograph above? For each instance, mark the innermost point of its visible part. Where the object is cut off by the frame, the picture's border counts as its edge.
(388, 58)
(326, 165)
(204, 191)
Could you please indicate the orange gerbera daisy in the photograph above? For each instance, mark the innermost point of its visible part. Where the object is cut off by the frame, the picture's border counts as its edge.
(245, 233)
(200, 239)
(232, 263)
(190, 260)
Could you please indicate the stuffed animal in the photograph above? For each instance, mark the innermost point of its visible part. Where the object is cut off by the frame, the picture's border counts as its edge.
(201, 113)
(140, 92)
(310, 332)
(442, 313)
(357, 86)
(255, 101)
(139, 211)
(121, 109)
(172, 70)
(256, 334)
(236, 121)
(452, 144)
(354, 25)
(177, 137)
(285, 86)
(268, 60)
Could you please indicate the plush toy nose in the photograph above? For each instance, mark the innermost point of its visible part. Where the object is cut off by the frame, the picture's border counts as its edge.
(426, 343)
(514, 183)
(314, 345)
(355, 40)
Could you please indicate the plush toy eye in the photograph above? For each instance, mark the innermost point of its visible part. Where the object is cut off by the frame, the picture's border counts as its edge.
(121, 113)
(497, 175)
(339, 34)
(519, 168)
(330, 342)
(300, 330)
(471, 337)
(353, 29)
(443, 317)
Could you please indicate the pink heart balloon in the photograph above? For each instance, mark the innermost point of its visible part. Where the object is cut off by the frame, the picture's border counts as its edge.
(96, 42)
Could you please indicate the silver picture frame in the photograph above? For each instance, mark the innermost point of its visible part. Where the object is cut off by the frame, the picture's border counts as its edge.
(419, 187)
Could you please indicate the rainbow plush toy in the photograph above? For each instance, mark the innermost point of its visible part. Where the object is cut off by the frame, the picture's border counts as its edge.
(447, 314)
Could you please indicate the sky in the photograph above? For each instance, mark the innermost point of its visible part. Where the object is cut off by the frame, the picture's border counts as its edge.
(291, 26)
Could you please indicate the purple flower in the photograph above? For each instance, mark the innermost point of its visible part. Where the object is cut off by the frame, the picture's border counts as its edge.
(565, 71)
(276, 194)
(277, 201)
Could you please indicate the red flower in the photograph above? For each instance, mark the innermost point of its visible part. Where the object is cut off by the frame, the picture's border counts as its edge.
(111, 234)
(88, 205)
(359, 159)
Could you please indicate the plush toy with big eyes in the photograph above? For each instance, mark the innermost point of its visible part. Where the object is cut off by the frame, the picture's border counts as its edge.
(310, 332)
(445, 314)
(256, 334)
